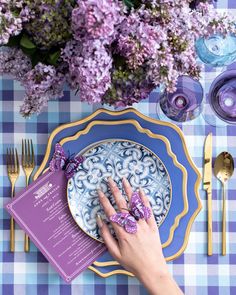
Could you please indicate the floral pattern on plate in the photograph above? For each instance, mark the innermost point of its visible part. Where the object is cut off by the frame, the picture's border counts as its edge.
(118, 159)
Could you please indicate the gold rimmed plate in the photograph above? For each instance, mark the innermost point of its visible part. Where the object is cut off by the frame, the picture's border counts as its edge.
(117, 158)
(177, 142)
(159, 145)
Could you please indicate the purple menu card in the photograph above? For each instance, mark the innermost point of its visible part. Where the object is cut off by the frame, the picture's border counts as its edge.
(42, 212)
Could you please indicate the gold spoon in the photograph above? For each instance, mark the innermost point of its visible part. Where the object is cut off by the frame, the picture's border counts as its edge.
(223, 169)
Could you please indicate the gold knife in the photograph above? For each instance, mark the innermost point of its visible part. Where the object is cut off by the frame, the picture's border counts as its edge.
(207, 185)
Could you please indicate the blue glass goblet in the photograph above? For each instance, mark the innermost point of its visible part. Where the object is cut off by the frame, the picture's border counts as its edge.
(217, 50)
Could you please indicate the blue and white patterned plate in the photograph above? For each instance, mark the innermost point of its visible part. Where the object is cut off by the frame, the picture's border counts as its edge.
(177, 143)
(118, 159)
(98, 131)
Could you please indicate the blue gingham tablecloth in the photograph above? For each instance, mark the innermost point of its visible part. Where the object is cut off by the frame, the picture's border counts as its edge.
(196, 273)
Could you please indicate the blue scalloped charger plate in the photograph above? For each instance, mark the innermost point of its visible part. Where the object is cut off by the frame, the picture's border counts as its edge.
(177, 143)
(98, 131)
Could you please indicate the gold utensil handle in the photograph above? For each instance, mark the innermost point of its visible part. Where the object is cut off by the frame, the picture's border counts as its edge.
(224, 223)
(12, 235)
(12, 222)
(27, 240)
(209, 223)
(27, 243)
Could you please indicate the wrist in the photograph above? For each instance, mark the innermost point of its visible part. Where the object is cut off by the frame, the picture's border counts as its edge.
(154, 277)
(159, 282)
(157, 271)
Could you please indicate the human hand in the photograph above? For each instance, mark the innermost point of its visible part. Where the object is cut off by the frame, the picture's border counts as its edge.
(139, 253)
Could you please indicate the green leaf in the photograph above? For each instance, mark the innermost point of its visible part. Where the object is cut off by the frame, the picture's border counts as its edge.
(25, 42)
(14, 41)
(53, 57)
(29, 52)
(119, 61)
(15, 13)
(132, 3)
(128, 3)
(36, 58)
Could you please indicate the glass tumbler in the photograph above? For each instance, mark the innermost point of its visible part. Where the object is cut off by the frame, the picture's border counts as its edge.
(184, 104)
(220, 105)
(217, 50)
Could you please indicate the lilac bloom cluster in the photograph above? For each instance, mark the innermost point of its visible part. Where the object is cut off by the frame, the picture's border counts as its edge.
(209, 22)
(51, 25)
(138, 40)
(128, 87)
(14, 62)
(180, 27)
(41, 84)
(71, 55)
(106, 51)
(195, 3)
(12, 16)
(89, 56)
(89, 69)
(94, 20)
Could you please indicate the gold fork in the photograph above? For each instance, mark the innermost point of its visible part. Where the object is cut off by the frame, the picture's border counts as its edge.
(13, 171)
(28, 167)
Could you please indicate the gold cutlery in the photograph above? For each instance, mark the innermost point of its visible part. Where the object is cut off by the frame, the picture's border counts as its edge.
(207, 185)
(28, 167)
(223, 170)
(13, 171)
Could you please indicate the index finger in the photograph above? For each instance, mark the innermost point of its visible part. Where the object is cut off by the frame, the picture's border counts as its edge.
(127, 188)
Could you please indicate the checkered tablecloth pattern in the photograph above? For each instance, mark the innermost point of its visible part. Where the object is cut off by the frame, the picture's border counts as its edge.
(30, 274)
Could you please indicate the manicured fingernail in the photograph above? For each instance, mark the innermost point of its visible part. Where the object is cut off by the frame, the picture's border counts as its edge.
(141, 190)
(111, 181)
(100, 192)
(125, 181)
(99, 220)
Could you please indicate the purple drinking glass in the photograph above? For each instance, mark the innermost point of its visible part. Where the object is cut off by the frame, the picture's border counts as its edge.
(221, 101)
(184, 104)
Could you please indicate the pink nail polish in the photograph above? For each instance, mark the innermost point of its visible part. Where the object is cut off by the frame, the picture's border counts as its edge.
(99, 220)
(99, 192)
(124, 180)
(141, 190)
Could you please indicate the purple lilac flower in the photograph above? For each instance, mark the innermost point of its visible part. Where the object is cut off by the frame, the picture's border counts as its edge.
(41, 84)
(182, 27)
(13, 15)
(112, 55)
(207, 21)
(51, 25)
(128, 87)
(194, 3)
(89, 68)
(163, 72)
(9, 23)
(94, 71)
(96, 19)
(14, 62)
(70, 55)
(138, 40)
